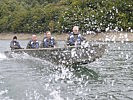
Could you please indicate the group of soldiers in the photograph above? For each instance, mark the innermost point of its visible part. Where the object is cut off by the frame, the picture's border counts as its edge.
(74, 38)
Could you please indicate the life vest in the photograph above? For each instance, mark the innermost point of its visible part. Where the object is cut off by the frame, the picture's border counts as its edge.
(34, 44)
(49, 43)
(73, 39)
(15, 43)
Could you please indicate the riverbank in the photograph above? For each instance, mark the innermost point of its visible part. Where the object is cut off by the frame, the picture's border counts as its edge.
(110, 36)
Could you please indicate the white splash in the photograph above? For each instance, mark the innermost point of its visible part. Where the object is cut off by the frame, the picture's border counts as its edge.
(73, 53)
(56, 95)
(20, 56)
(2, 56)
(122, 37)
(2, 95)
(33, 95)
(3, 92)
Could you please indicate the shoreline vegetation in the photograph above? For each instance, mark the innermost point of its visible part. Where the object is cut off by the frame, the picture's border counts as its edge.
(59, 16)
(109, 36)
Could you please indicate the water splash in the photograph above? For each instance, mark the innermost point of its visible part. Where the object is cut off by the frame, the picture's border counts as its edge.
(22, 56)
(122, 37)
(56, 95)
(3, 92)
(2, 95)
(2, 56)
(18, 55)
(33, 95)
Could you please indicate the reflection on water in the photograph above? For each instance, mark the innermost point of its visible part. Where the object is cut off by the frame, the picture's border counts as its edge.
(28, 78)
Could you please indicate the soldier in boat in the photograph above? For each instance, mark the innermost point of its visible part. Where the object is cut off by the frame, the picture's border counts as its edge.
(14, 44)
(75, 38)
(33, 43)
(48, 41)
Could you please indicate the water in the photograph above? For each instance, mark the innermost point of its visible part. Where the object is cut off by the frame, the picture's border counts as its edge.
(27, 78)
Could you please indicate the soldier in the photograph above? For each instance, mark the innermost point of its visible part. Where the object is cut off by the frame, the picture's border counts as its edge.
(33, 43)
(75, 37)
(14, 44)
(48, 41)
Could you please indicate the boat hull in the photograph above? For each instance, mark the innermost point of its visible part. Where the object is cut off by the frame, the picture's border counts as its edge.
(67, 55)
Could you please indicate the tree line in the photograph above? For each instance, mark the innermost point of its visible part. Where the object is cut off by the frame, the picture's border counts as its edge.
(30, 16)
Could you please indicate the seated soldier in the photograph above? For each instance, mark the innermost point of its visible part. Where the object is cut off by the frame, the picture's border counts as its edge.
(14, 44)
(75, 37)
(48, 41)
(33, 44)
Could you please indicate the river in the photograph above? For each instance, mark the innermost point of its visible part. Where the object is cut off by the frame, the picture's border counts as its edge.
(27, 78)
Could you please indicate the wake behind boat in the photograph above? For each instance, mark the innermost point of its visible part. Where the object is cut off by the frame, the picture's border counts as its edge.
(66, 55)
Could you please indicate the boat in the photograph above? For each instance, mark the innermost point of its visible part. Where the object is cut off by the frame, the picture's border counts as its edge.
(68, 55)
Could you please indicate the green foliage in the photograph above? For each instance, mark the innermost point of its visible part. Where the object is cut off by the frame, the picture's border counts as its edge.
(61, 15)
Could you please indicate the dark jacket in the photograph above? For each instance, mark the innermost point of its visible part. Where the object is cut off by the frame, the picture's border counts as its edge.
(32, 45)
(48, 43)
(75, 39)
(15, 45)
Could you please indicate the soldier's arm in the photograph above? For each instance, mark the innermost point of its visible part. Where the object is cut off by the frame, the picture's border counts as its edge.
(68, 43)
(18, 45)
(12, 46)
(28, 45)
(41, 45)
